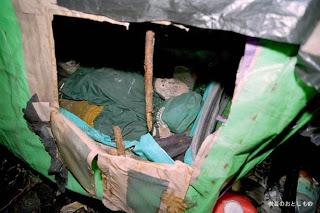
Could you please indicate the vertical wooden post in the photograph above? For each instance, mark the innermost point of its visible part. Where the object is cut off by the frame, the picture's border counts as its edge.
(148, 76)
(119, 141)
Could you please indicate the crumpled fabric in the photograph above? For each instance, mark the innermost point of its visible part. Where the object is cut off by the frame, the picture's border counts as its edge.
(121, 91)
(146, 147)
(175, 145)
(43, 130)
(83, 109)
(180, 112)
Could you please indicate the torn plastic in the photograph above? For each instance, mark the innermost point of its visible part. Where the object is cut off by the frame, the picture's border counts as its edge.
(308, 65)
(308, 69)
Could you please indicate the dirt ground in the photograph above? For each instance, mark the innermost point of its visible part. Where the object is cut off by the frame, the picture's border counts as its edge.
(24, 190)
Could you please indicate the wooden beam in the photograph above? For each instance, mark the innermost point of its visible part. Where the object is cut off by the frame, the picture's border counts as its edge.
(148, 76)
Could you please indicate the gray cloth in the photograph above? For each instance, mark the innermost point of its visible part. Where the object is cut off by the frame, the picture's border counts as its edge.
(43, 130)
(175, 145)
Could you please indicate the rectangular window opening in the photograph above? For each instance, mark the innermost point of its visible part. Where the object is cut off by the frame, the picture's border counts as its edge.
(100, 68)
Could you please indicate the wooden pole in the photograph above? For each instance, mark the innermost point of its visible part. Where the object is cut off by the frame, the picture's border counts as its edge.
(148, 76)
(119, 141)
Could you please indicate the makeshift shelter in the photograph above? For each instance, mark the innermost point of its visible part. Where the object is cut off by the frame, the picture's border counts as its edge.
(275, 80)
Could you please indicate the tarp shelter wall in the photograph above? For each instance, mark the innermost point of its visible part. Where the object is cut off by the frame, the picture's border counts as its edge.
(33, 70)
(35, 18)
(15, 87)
(77, 149)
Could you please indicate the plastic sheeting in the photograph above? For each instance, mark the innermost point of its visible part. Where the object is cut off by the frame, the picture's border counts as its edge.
(309, 59)
(267, 99)
(283, 20)
(286, 21)
(308, 69)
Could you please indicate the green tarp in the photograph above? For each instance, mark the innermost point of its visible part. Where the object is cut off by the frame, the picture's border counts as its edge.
(270, 98)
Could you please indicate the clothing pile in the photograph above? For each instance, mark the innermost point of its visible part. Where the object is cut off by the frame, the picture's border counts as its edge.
(107, 97)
